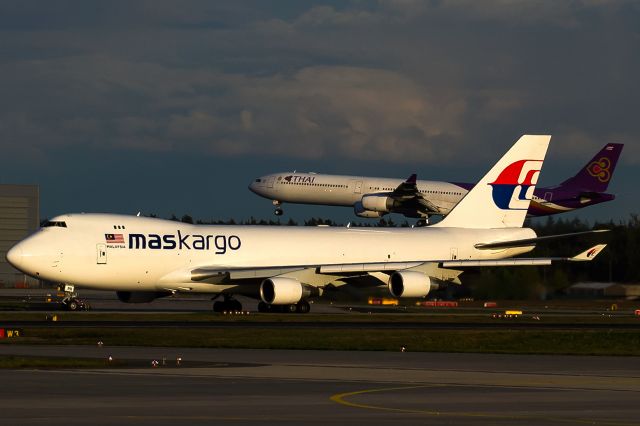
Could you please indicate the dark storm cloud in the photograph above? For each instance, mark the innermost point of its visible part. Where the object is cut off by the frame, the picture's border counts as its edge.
(397, 81)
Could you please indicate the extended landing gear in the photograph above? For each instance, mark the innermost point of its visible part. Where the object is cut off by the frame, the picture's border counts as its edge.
(278, 211)
(229, 304)
(302, 307)
(422, 222)
(70, 300)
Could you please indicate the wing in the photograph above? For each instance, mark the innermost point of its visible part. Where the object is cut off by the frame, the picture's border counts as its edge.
(408, 195)
(322, 275)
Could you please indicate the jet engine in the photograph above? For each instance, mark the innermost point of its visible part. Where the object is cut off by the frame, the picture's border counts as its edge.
(361, 212)
(409, 284)
(285, 291)
(140, 296)
(378, 203)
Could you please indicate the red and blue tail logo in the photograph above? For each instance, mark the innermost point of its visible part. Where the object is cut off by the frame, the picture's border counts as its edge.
(513, 189)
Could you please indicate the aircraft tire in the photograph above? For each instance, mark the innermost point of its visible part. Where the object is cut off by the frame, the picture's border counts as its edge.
(235, 305)
(72, 305)
(290, 309)
(218, 306)
(303, 307)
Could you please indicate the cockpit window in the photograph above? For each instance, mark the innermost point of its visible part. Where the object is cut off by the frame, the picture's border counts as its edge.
(49, 223)
(258, 180)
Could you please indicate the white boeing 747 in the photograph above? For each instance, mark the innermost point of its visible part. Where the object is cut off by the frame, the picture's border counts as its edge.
(146, 258)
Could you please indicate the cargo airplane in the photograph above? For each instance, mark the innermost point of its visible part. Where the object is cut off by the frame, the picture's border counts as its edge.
(374, 197)
(145, 258)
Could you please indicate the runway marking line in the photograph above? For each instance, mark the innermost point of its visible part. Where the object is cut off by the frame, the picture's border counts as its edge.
(341, 399)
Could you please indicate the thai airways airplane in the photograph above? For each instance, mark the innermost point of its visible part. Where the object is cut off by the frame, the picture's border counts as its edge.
(145, 258)
(374, 197)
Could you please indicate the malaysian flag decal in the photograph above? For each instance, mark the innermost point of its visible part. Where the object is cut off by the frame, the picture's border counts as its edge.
(114, 238)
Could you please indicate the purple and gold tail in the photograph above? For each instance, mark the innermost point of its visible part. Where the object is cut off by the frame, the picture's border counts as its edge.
(597, 173)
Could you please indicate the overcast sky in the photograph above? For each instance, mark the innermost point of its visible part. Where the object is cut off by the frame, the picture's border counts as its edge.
(175, 106)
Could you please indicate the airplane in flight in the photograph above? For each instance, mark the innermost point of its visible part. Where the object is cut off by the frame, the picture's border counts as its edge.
(144, 258)
(373, 197)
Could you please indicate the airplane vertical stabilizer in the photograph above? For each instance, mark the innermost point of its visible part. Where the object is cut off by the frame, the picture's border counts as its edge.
(502, 197)
(597, 173)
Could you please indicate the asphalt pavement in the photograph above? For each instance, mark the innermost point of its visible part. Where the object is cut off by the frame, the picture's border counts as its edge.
(316, 387)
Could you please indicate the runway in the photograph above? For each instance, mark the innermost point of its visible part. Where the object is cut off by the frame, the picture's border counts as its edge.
(317, 387)
(297, 323)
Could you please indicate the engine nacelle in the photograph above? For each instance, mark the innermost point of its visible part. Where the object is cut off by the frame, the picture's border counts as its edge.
(140, 296)
(285, 291)
(378, 203)
(361, 212)
(409, 284)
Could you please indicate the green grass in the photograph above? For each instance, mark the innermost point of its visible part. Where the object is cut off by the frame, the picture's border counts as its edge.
(427, 316)
(578, 342)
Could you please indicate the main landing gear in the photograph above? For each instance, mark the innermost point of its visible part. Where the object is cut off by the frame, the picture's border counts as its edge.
(278, 211)
(302, 307)
(229, 304)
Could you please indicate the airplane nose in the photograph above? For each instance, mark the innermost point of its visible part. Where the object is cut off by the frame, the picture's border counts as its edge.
(14, 256)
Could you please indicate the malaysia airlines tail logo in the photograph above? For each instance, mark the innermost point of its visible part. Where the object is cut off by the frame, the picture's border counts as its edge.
(513, 189)
(600, 169)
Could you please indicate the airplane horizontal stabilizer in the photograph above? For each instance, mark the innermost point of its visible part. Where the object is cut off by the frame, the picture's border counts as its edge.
(585, 256)
(588, 255)
(532, 241)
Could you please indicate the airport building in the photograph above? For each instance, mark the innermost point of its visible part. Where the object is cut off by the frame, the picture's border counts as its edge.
(19, 217)
(604, 290)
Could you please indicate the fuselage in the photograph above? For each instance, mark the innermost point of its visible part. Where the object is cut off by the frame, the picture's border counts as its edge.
(347, 191)
(129, 253)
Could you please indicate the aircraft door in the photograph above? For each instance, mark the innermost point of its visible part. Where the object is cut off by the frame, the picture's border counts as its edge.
(357, 189)
(101, 250)
(270, 181)
(548, 196)
(454, 253)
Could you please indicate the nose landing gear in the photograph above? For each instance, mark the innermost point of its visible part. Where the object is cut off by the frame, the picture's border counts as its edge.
(422, 222)
(70, 300)
(278, 211)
